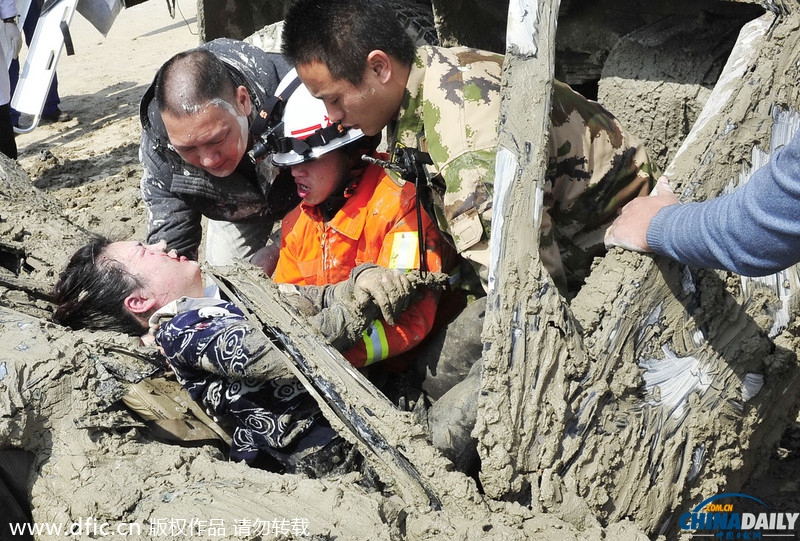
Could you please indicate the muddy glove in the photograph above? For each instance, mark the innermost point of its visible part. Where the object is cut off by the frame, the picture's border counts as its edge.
(346, 309)
(343, 319)
(332, 311)
(342, 325)
(392, 291)
(388, 289)
(12, 39)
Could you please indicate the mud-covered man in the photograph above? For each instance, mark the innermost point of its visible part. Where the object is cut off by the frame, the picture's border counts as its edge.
(446, 102)
(195, 137)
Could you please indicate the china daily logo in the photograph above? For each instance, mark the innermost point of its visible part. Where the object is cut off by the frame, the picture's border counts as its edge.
(718, 516)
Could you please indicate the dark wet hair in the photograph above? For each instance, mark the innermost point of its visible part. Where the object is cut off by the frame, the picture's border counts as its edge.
(91, 291)
(342, 33)
(190, 80)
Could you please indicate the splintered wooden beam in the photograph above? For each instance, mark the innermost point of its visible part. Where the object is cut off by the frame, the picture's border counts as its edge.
(390, 439)
(530, 339)
(656, 387)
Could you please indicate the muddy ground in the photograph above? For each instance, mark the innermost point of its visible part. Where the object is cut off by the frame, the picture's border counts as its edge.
(89, 164)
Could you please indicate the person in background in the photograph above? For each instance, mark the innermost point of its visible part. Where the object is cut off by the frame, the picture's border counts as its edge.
(195, 138)
(753, 231)
(10, 41)
(51, 111)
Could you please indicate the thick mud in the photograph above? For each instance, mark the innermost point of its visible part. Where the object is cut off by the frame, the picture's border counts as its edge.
(581, 436)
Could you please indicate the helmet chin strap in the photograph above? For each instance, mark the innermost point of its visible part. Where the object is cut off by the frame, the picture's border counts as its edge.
(341, 194)
(331, 206)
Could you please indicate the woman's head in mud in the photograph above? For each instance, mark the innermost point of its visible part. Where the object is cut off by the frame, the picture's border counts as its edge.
(117, 286)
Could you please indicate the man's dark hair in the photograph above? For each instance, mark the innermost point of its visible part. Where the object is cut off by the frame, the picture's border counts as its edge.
(342, 33)
(189, 80)
(91, 291)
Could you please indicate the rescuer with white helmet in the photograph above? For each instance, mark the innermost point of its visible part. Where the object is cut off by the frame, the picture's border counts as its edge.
(324, 178)
(308, 131)
(352, 213)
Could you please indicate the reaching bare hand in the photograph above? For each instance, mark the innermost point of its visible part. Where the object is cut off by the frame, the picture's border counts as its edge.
(629, 230)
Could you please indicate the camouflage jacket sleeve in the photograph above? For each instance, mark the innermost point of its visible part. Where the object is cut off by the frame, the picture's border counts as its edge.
(594, 168)
(332, 310)
(451, 110)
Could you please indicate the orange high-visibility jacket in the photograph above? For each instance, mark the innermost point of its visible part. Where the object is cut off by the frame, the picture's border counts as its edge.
(377, 224)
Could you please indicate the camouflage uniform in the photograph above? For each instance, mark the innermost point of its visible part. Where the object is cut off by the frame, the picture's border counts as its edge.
(451, 110)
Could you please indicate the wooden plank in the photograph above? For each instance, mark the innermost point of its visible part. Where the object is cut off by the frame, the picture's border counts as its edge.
(390, 439)
(526, 319)
(653, 304)
(577, 416)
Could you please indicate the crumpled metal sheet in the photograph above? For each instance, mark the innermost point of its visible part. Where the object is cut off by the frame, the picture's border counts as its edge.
(101, 13)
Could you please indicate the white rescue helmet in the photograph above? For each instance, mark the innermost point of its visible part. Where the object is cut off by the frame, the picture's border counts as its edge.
(308, 133)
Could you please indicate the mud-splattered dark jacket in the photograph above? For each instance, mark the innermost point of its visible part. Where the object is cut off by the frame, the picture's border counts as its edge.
(451, 110)
(175, 193)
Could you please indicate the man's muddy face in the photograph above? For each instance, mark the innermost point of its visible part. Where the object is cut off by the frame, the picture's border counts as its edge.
(213, 138)
(366, 106)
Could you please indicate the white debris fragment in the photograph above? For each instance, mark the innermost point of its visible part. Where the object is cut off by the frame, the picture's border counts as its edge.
(669, 381)
(751, 386)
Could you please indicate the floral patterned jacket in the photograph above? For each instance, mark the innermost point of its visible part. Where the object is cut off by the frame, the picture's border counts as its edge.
(234, 371)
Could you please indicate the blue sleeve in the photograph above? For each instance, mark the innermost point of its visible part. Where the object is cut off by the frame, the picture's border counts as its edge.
(754, 231)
